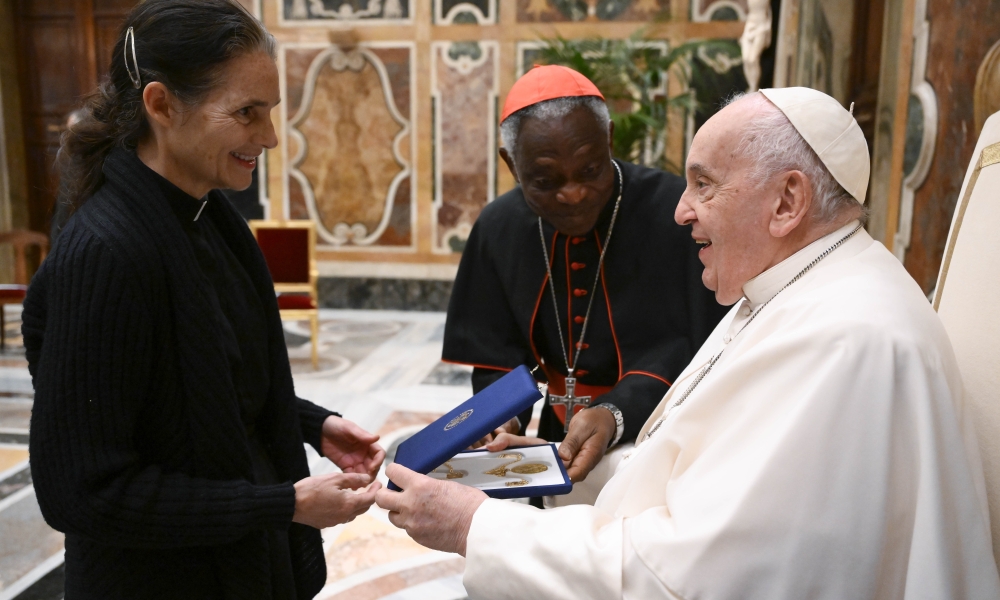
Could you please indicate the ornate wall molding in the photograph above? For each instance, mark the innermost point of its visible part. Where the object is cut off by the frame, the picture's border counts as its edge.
(921, 131)
(563, 11)
(465, 80)
(718, 10)
(362, 169)
(526, 56)
(312, 13)
(465, 12)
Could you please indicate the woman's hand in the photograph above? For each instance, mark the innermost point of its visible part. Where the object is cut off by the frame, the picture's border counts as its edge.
(351, 448)
(327, 500)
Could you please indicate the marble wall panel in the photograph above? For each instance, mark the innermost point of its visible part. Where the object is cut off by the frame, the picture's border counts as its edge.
(313, 12)
(465, 12)
(718, 10)
(716, 74)
(253, 6)
(348, 144)
(464, 80)
(959, 41)
(554, 11)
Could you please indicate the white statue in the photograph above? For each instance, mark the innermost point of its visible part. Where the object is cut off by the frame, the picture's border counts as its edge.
(755, 39)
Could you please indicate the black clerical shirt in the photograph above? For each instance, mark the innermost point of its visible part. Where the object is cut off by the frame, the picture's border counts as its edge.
(651, 311)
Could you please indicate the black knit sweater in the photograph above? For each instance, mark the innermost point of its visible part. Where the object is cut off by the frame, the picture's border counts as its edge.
(138, 450)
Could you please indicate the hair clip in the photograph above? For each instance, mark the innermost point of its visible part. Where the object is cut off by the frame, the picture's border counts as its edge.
(136, 80)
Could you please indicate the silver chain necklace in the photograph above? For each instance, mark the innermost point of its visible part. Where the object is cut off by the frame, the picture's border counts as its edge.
(552, 287)
(704, 372)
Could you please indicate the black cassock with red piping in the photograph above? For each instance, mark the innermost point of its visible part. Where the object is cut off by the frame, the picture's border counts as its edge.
(651, 311)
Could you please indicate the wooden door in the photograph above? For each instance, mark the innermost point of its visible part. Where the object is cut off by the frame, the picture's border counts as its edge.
(866, 56)
(64, 47)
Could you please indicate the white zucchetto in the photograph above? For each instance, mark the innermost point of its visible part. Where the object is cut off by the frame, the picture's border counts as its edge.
(831, 132)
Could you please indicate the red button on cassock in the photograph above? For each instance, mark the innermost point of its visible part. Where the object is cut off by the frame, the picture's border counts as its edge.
(583, 346)
(577, 266)
(578, 320)
(582, 372)
(578, 240)
(578, 292)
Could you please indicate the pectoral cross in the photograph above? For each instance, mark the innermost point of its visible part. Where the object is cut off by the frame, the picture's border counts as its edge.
(570, 400)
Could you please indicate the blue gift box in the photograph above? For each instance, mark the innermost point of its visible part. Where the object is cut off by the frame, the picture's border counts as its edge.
(457, 430)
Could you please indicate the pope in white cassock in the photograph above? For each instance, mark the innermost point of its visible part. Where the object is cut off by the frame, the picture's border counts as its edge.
(817, 445)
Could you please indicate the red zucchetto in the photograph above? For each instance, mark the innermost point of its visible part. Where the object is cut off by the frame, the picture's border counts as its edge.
(547, 83)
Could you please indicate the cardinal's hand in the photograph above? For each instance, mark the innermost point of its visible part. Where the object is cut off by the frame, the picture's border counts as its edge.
(511, 427)
(590, 432)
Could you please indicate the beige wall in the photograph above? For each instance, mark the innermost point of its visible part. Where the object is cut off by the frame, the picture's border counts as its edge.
(389, 141)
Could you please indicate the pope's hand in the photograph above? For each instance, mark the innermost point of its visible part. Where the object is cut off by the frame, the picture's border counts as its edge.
(326, 500)
(350, 447)
(590, 432)
(436, 514)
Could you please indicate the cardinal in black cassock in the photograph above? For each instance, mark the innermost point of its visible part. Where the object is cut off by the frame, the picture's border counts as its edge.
(648, 309)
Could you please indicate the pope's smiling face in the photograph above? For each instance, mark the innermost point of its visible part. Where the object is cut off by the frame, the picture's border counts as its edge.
(564, 168)
(729, 213)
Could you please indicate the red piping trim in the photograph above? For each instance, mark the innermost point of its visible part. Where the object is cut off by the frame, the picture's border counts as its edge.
(647, 374)
(607, 300)
(538, 301)
(472, 364)
(569, 306)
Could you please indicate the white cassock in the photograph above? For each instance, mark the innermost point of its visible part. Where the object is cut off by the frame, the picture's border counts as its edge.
(827, 455)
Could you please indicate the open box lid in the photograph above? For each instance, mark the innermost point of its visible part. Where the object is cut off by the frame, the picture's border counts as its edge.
(469, 422)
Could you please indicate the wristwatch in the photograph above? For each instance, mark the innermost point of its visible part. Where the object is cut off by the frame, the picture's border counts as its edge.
(619, 421)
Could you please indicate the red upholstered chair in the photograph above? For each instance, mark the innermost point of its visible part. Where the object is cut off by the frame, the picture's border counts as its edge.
(14, 293)
(289, 248)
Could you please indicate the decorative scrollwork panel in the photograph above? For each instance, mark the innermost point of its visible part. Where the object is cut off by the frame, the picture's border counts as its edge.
(464, 86)
(348, 144)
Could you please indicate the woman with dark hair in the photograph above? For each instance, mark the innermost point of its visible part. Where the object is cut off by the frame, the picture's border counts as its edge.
(166, 437)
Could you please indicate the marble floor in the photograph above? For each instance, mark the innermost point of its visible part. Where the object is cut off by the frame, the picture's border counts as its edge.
(380, 369)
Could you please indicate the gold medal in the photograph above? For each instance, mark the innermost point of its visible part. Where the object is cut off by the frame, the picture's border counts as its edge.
(501, 471)
(452, 473)
(530, 469)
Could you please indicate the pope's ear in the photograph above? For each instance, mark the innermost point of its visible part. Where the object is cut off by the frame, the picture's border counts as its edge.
(159, 103)
(611, 137)
(794, 200)
(507, 158)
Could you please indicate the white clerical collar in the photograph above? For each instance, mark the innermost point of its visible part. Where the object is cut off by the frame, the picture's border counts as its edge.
(761, 288)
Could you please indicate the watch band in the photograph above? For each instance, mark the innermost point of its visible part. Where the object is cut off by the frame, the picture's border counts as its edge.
(619, 421)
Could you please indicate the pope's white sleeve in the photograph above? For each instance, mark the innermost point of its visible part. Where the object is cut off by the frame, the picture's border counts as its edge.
(516, 552)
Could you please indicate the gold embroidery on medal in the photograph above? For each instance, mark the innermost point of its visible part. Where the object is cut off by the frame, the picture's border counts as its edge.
(530, 469)
(452, 473)
(526, 469)
(458, 420)
(501, 471)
